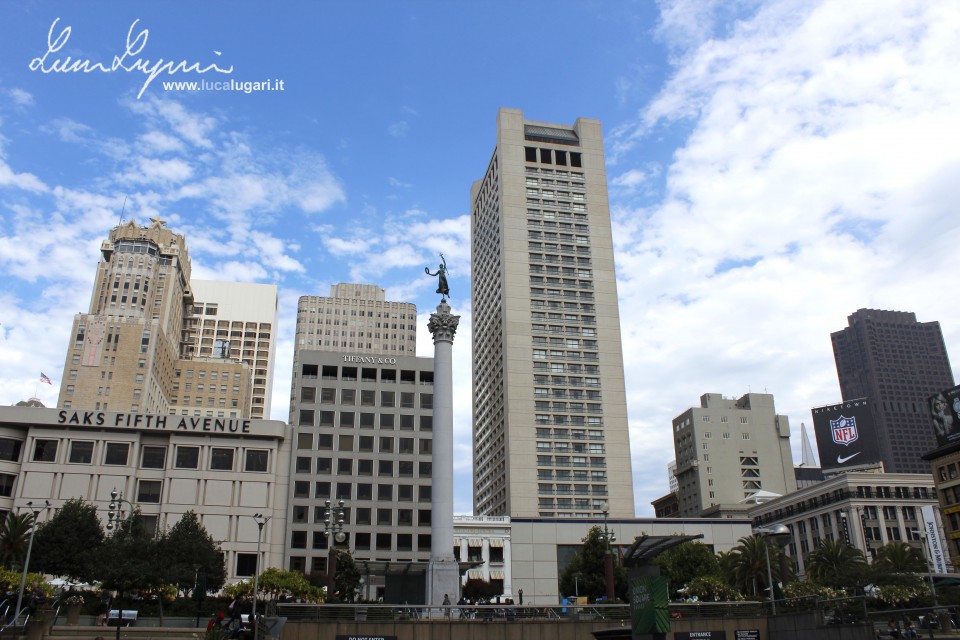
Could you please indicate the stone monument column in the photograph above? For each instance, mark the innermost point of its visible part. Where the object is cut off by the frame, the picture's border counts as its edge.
(443, 575)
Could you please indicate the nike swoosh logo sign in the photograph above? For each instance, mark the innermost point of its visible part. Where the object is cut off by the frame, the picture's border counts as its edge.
(841, 459)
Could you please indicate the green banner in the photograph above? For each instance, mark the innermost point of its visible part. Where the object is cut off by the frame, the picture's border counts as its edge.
(648, 605)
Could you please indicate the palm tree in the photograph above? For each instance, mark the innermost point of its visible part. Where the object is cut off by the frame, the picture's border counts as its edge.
(748, 563)
(900, 557)
(14, 535)
(899, 563)
(835, 563)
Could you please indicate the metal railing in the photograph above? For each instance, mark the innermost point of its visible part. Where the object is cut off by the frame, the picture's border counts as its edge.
(473, 612)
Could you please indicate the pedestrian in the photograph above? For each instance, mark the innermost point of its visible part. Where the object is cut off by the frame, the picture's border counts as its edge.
(37, 598)
(103, 613)
(892, 629)
(446, 604)
(520, 597)
(236, 617)
(908, 629)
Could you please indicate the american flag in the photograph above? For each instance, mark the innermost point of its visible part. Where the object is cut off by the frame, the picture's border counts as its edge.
(45, 378)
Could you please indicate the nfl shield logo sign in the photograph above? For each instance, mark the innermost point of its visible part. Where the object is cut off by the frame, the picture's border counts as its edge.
(844, 430)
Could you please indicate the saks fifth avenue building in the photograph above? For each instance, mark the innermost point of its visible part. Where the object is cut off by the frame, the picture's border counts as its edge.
(224, 469)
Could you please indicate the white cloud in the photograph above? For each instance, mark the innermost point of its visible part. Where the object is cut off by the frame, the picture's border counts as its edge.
(410, 241)
(155, 170)
(21, 98)
(814, 181)
(273, 251)
(634, 180)
(231, 271)
(194, 128)
(398, 129)
(24, 181)
(159, 142)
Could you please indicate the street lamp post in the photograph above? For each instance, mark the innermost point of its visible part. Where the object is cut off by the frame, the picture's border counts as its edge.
(115, 515)
(26, 562)
(780, 534)
(115, 519)
(333, 528)
(608, 537)
(928, 558)
(261, 520)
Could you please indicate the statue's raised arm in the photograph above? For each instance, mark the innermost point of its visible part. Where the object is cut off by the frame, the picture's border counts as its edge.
(441, 275)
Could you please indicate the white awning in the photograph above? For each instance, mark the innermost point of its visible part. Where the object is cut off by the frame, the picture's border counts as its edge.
(475, 542)
(497, 575)
(475, 574)
(496, 543)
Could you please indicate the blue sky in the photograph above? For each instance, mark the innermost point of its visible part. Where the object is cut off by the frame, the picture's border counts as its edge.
(773, 167)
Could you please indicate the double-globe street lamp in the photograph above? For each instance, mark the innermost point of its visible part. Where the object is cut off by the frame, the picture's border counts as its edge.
(333, 528)
(26, 562)
(115, 519)
(608, 537)
(261, 520)
(115, 515)
(780, 534)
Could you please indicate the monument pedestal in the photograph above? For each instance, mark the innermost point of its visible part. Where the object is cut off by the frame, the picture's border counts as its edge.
(443, 578)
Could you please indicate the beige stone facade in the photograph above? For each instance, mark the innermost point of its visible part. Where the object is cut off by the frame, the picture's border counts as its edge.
(946, 477)
(146, 345)
(224, 469)
(232, 323)
(550, 429)
(362, 409)
(364, 435)
(866, 509)
(727, 450)
(123, 351)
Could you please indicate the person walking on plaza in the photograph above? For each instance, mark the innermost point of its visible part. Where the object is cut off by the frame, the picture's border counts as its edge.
(106, 598)
(236, 617)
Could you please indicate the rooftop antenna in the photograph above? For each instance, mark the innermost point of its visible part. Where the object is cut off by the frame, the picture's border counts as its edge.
(122, 210)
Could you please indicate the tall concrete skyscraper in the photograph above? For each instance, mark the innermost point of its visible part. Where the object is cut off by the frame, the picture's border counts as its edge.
(146, 346)
(896, 363)
(362, 411)
(550, 434)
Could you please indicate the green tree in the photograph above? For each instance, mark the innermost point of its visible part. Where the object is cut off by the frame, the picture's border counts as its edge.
(477, 590)
(712, 588)
(275, 582)
(130, 560)
(898, 595)
(190, 552)
(586, 572)
(900, 557)
(810, 589)
(347, 580)
(14, 537)
(835, 563)
(747, 564)
(684, 562)
(67, 544)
